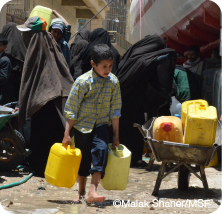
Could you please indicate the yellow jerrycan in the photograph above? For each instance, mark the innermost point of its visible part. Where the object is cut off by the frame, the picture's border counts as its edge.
(185, 105)
(43, 12)
(214, 161)
(168, 128)
(201, 125)
(117, 168)
(63, 165)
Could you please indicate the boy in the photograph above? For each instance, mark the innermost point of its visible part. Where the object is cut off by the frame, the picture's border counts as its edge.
(60, 29)
(93, 102)
(6, 90)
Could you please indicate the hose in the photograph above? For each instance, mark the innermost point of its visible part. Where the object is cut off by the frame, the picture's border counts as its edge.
(19, 182)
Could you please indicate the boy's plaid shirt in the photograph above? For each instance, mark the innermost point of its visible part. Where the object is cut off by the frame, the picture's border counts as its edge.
(93, 101)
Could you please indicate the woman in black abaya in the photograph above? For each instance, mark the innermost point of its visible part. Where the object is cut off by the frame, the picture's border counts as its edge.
(146, 75)
(16, 51)
(45, 86)
(98, 36)
(80, 43)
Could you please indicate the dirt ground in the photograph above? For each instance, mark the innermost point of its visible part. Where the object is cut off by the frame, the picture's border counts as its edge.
(39, 197)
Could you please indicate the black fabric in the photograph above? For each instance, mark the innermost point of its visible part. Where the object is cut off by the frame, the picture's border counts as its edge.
(116, 61)
(6, 87)
(98, 36)
(16, 47)
(76, 59)
(80, 43)
(43, 130)
(145, 84)
(83, 34)
(16, 51)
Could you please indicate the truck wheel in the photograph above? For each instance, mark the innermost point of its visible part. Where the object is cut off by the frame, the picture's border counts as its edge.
(9, 158)
(183, 178)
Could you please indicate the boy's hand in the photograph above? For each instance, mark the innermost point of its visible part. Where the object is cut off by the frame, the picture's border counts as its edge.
(66, 140)
(115, 142)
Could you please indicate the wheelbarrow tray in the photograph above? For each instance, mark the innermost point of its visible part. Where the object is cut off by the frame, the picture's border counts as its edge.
(4, 118)
(176, 152)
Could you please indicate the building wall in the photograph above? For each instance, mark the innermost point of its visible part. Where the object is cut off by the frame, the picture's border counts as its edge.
(18, 11)
(3, 17)
(116, 17)
(96, 23)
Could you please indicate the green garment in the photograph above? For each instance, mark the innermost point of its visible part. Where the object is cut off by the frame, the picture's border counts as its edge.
(187, 84)
(183, 89)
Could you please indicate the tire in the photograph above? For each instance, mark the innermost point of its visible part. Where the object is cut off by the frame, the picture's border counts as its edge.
(183, 178)
(9, 158)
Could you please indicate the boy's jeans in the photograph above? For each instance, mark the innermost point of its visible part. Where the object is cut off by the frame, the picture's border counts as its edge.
(94, 148)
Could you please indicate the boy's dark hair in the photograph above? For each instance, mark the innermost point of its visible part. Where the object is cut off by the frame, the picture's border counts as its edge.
(195, 48)
(101, 52)
(3, 39)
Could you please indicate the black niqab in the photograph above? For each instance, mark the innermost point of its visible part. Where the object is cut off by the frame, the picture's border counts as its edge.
(83, 34)
(16, 52)
(98, 36)
(76, 61)
(16, 47)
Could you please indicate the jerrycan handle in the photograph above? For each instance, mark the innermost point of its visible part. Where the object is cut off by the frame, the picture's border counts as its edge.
(67, 147)
(116, 151)
(70, 149)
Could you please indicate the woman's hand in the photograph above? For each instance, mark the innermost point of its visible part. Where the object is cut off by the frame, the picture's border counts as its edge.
(15, 110)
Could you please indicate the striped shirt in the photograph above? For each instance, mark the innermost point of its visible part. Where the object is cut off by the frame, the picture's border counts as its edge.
(65, 49)
(93, 101)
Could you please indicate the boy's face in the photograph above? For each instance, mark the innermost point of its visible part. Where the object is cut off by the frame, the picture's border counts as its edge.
(57, 34)
(103, 68)
(2, 47)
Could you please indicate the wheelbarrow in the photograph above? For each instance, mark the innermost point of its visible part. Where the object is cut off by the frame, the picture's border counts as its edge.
(12, 143)
(180, 155)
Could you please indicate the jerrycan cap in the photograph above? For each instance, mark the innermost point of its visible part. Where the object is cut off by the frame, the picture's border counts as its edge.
(166, 127)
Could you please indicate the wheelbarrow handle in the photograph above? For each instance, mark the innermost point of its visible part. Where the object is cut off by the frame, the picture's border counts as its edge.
(140, 129)
(11, 104)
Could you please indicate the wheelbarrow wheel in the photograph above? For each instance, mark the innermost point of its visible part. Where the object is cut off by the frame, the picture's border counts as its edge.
(9, 157)
(183, 178)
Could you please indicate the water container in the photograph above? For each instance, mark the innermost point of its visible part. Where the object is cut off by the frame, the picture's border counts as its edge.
(117, 169)
(201, 125)
(214, 161)
(63, 165)
(178, 109)
(173, 108)
(168, 128)
(43, 12)
(185, 105)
